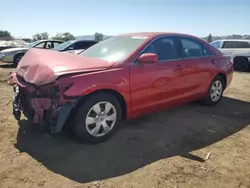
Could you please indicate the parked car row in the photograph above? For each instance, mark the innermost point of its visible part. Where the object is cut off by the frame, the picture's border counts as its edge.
(14, 55)
(122, 77)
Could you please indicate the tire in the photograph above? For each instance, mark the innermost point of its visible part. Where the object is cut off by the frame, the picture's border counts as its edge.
(88, 132)
(18, 58)
(241, 64)
(212, 98)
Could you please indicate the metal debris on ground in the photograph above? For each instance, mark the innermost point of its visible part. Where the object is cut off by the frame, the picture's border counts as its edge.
(208, 156)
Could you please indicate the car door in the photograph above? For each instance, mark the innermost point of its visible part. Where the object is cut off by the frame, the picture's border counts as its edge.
(196, 66)
(229, 47)
(155, 85)
(242, 48)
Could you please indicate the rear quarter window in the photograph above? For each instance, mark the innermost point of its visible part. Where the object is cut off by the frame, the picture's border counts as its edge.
(243, 44)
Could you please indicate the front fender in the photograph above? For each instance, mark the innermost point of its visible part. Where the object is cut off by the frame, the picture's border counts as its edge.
(113, 79)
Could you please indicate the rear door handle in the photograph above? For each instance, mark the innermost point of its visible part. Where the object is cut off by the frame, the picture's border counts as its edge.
(213, 61)
(179, 66)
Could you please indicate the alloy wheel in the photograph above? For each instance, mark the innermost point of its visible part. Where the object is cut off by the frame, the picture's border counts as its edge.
(101, 119)
(216, 91)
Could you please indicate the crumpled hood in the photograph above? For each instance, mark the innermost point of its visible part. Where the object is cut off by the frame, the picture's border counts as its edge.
(14, 49)
(41, 67)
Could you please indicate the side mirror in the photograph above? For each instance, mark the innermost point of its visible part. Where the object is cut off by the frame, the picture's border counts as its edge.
(148, 58)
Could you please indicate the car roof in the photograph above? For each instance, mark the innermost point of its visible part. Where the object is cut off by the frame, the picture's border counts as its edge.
(156, 34)
(240, 40)
(48, 40)
(88, 40)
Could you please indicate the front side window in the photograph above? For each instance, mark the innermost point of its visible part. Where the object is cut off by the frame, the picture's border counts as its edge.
(56, 43)
(32, 44)
(40, 45)
(115, 48)
(230, 44)
(216, 44)
(63, 45)
(164, 48)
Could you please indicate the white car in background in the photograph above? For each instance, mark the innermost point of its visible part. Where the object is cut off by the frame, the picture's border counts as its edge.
(75, 46)
(237, 49)
(14, 55)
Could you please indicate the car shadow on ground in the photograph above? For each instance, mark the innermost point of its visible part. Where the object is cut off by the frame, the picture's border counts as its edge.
(174, 132)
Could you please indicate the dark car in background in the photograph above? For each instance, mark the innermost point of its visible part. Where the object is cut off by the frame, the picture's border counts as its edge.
(75, 46)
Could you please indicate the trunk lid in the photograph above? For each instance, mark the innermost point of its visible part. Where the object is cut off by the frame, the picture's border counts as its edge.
(41, 67)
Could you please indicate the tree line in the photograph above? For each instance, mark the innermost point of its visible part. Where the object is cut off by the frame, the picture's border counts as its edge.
(98, 36)
(44, 35)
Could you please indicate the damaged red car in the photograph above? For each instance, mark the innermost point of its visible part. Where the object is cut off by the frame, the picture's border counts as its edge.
(119, 78)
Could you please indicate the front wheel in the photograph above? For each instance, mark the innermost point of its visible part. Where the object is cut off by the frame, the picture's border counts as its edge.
(18, 58)
(215, 91)
(97, 119)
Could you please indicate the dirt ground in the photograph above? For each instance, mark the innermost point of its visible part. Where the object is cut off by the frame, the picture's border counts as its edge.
(165, 149)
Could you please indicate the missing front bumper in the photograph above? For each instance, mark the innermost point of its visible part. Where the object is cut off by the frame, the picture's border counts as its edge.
(40, 110)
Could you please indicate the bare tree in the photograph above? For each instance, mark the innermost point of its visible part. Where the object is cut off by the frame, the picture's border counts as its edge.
(40, 36)
(209, 38)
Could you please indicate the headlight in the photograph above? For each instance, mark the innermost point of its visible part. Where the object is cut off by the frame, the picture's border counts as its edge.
(2, 54)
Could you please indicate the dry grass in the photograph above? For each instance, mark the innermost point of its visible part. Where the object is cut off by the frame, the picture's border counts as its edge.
(4, 76)
(5, 70)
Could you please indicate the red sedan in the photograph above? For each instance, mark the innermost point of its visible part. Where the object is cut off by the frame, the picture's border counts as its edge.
(119, 78)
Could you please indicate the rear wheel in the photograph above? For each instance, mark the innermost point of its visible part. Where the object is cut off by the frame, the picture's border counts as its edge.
(215, 91)
(241, 64)
(97, 119)
(18, 58)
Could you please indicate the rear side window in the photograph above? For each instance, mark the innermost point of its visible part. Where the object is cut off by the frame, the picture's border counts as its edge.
(207, 52)
(230, 44)
(243, 44)
(191, 48)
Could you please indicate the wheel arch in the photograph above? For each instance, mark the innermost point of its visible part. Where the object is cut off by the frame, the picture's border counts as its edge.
(240, 57)
(113, 92)
(18, 54)
(224, 78)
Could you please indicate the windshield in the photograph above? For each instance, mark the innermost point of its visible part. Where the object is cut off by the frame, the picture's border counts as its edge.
(216, 44)
(115, 48)
(64, 45)
(32, 44)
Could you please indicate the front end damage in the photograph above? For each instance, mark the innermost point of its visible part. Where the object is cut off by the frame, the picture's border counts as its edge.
(41, 104)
